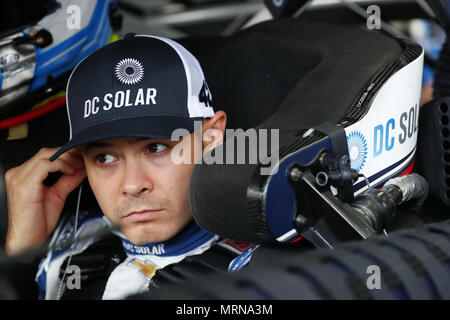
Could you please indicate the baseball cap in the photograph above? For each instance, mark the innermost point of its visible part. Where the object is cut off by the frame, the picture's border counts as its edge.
(139, 86)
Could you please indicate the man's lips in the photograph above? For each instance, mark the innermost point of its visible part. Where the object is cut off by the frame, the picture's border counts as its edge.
(142, 215)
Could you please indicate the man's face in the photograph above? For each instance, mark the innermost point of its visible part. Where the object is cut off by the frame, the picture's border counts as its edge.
(138, 186)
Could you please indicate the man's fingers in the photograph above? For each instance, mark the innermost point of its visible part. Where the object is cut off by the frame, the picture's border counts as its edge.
(76, 152)
(67, 183)
(75, 155)
(33, 209)
(38, 174)
(72, 159)
(24, 170)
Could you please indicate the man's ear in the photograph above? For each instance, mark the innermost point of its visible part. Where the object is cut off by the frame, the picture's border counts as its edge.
(214, 131)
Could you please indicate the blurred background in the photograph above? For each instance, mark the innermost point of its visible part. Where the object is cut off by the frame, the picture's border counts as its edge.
(178, 19)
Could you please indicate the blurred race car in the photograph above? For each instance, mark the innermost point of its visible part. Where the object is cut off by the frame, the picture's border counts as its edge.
(38, 50)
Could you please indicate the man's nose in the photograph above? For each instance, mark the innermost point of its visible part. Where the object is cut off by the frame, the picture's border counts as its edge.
(136, 181)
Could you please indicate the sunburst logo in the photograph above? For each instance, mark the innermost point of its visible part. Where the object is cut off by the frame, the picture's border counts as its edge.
(129, 71)
(357, 149)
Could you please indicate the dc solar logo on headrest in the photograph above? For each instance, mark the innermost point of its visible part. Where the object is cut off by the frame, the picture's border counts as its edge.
(129, 71)
(357, 149)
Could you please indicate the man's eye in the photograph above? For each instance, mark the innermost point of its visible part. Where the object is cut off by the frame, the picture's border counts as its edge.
(156, 147)
(104, 158)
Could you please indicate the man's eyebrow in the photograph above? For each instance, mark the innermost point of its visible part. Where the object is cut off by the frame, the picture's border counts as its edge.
(102, 144)
(92, 145)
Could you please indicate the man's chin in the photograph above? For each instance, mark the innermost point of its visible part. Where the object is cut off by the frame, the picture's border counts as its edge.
(157, 230)
(140, 234)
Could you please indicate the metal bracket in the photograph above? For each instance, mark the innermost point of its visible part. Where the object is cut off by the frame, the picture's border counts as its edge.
(320, 217)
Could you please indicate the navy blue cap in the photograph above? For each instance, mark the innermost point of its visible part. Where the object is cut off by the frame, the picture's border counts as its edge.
(140, 86)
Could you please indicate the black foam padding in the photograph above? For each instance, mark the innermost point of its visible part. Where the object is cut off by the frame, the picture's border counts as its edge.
(328, 69)
(410, 269)
(251, 73)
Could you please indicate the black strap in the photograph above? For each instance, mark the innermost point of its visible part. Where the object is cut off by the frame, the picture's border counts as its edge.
(337, 136)
(96, 264)
(339, 146)
(214, 260)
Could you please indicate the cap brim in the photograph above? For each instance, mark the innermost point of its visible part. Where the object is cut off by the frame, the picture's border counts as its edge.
(147, 127)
